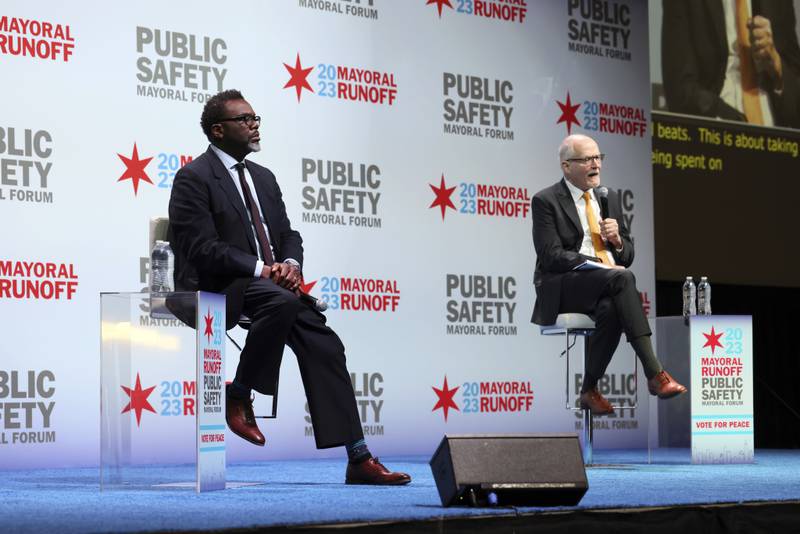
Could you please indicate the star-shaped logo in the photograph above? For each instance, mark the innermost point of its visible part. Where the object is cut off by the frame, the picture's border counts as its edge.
(209, 330)
(712, 340)
(443, 194)
(439, 4)
(445, 401)
(298, 78)
(568, 112)
(138, 399)
(306, 287)
(134, 169)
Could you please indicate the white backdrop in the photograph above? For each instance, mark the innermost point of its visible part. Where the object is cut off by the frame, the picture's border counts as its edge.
(87, 218)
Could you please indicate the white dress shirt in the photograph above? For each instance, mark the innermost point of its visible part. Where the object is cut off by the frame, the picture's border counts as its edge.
(732, 88)
(230, 163)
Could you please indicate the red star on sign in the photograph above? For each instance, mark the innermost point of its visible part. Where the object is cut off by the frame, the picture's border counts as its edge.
(134, 169)
(712, 340)
(445, 401)
(568, 113)
(138, 399)
(439, 4)
(443, 194)
(298, 77)
(307, 287)
(209, 331)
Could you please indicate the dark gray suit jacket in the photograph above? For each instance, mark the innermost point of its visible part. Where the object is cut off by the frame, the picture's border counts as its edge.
(211, 234)
(557, 237)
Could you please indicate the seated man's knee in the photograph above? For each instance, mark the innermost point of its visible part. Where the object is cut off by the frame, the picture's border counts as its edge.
(622, 278)
(289, 302)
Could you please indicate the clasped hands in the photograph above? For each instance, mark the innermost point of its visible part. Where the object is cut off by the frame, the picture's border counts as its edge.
(286, 275)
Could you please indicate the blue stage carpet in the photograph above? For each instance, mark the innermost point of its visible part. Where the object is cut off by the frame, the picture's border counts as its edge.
(312, 492)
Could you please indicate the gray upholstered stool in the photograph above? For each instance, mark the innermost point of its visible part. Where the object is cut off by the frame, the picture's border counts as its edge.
(578, 324)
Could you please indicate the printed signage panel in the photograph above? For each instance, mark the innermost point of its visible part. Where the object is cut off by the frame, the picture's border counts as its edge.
(210, 391)
(722, 389)
(479, 121)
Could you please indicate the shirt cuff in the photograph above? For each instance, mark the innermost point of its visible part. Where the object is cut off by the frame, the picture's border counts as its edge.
(259, 268)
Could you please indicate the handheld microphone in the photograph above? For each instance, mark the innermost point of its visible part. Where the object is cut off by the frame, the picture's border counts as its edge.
(602, 196)
(317, 304)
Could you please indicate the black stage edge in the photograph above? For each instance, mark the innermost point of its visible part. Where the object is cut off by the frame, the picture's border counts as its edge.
(744, 518)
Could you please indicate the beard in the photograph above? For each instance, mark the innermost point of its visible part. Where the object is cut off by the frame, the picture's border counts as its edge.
(254, 146)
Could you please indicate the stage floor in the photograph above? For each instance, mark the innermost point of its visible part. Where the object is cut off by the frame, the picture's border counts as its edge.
(295, 493)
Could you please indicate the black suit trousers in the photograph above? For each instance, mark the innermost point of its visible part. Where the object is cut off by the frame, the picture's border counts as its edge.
(611, 298)
(279, 318)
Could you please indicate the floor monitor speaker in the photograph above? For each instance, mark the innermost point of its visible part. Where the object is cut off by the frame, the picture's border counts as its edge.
(510, 469)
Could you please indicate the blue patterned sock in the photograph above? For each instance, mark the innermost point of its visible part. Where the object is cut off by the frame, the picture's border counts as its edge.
(357, 451)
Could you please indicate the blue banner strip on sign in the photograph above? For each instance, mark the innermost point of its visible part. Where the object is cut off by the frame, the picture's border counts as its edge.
(720, 432)
(722, 416)
(212, 427)
(212, 449)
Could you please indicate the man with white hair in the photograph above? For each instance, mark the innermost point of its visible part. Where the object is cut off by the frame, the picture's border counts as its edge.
(581, 267)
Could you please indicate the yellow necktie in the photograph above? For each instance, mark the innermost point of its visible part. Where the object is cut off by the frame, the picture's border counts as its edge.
(751, 100)
(599, 247)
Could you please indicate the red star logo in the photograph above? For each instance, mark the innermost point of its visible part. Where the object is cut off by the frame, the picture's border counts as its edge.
(439, 4)
(209, 331)
(445, 401)
(712, 340)
(442, 199)
(138, 399)
(134, 169)
(298, 77)
(307, 287)
(568, 113)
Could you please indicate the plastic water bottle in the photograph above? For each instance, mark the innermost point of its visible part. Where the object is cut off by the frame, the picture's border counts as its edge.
(689, 297)
(162, 267)
(703, 297)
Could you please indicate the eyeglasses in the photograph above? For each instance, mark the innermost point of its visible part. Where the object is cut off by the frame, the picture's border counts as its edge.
(249, 120)
(588, 159)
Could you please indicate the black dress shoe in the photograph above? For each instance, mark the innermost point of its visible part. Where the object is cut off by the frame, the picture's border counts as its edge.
(241, 421)
(372, 471)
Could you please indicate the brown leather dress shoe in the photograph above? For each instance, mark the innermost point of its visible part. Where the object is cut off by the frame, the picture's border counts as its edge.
(372, 471)
(595, 402)
(241, 421)
(664, 386)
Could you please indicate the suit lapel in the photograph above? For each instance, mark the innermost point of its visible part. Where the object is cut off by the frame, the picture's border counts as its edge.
(226, 183)
(568, 205)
